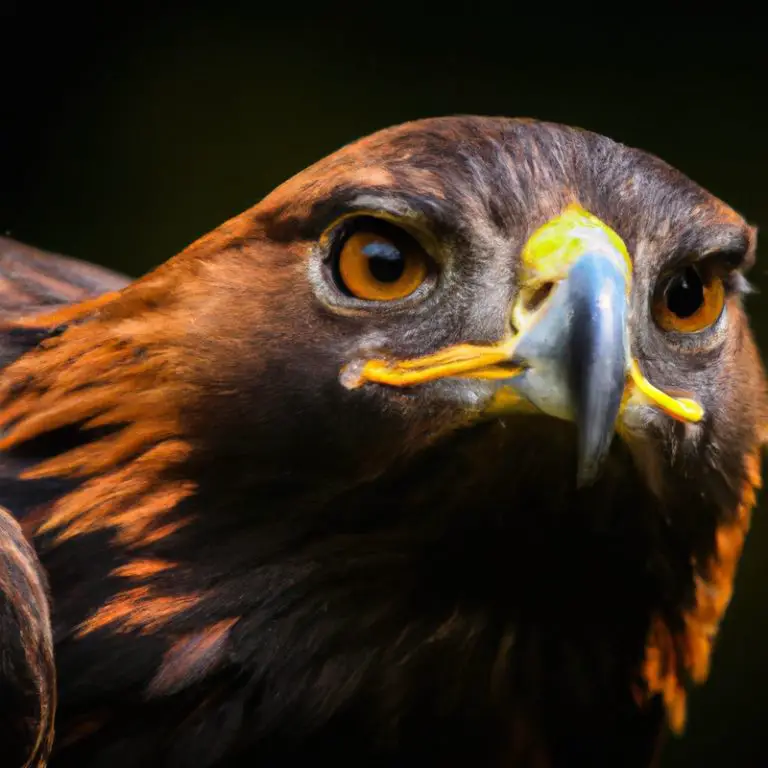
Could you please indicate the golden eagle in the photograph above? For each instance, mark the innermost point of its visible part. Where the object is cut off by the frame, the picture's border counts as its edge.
(441, 455)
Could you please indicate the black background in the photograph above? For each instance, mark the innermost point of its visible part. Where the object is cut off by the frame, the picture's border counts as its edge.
(127, 132)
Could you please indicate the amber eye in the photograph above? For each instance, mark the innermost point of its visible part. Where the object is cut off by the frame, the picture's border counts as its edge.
(689, 302)
(378, 261)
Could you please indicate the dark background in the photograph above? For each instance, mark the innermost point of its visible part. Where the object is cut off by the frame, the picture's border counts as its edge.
(127, 133)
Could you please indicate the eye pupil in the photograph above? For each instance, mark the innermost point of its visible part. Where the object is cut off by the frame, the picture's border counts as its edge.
(685, 294)
(385, 261)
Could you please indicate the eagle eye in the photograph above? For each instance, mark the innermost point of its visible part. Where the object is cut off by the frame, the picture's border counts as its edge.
(688, 301)
(375, 260)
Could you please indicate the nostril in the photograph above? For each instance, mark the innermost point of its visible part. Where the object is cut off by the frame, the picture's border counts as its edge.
(526, 307)
(538, 297)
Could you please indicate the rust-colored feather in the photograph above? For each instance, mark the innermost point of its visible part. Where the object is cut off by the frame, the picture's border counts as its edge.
(190, 658)
(671, 657)
(97, 374)
(111, 372)
(137, 608)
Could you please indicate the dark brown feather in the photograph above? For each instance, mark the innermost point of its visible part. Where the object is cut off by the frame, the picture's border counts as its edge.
(27, 672)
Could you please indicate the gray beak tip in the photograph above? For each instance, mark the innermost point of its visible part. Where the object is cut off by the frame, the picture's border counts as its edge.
(588, 471)
(595, 422)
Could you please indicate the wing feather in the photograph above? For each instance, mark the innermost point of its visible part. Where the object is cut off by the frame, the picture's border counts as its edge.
(33, 280)
(27, 672)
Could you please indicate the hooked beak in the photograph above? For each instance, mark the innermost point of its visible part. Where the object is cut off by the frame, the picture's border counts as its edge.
(569, 354)
(575, 355)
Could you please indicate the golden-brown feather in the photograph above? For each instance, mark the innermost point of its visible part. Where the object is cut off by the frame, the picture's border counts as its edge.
(672, 658)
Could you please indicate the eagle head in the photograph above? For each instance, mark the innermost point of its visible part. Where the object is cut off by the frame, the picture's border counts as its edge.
(456, 433)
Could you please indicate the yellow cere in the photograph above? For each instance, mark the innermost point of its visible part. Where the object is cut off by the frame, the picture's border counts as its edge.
(554, 247)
